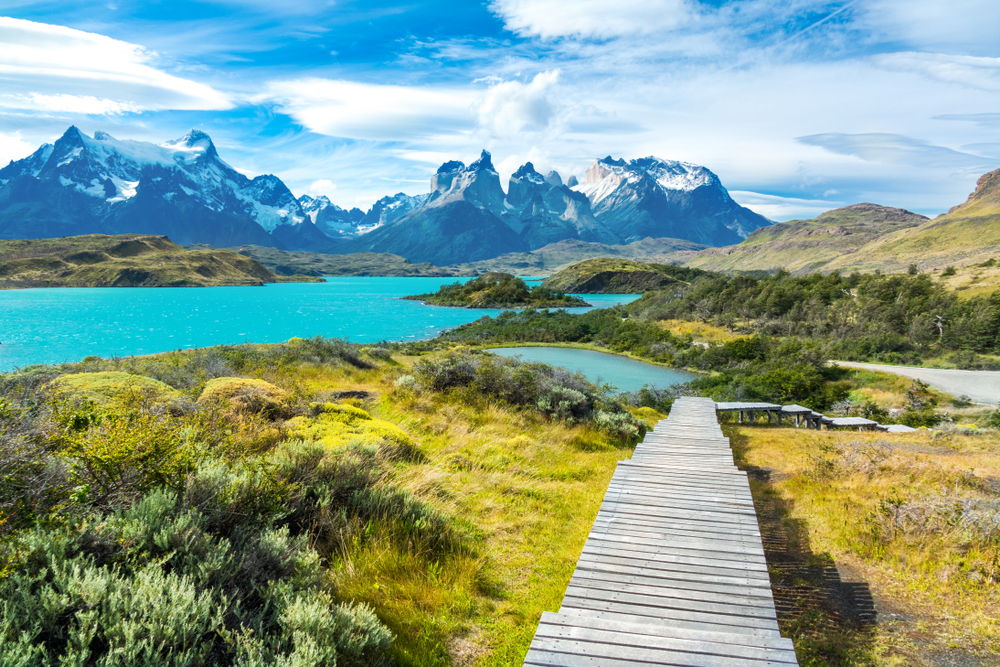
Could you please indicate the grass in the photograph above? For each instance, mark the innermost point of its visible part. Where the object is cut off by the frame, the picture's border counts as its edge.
(529, 488)
(875, 554)
(510, 493)
(125, 260)
(698, 331)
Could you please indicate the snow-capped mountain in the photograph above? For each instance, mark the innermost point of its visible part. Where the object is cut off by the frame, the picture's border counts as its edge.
(335, 222)
(650, 197)
(457, 221)
(467, 216)
(542, 210)
(180, 188)
(183, 189)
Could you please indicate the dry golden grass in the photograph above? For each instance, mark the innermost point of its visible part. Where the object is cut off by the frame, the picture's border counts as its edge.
(887, 510)
(699, 332)
(527, 491)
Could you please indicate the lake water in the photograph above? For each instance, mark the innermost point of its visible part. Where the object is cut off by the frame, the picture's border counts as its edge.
(624, 373)
(54, 325)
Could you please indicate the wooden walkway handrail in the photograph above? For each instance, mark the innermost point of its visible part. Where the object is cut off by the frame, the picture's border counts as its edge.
(673, 572)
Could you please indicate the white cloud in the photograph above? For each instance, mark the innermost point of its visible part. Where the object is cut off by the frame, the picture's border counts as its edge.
(54, 68)
(373, 111)
(976, 72)
(894, 148)
(85, 104)
(783, 208)
(323, 186)
(591, 18)
(13, 147)
(969, 26)
(511, 108)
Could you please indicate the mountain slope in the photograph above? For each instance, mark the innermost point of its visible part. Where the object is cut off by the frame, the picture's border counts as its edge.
(650, 197)
(458, 221)
(182, 188)
(557, 256)
(129, 260)
(967, 234)
(805, 246)
(607, 275)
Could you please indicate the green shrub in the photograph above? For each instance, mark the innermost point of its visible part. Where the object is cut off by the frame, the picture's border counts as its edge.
(246, 396)
(620, 425)
(111, 386)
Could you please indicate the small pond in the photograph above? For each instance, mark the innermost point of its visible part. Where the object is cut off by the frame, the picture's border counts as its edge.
(624, 373)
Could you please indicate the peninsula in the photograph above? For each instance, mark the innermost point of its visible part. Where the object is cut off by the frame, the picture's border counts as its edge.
(126, 260)
(498, 290)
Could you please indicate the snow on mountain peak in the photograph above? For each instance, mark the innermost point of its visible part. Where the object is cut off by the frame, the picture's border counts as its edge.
(607, 174)
(484, 163)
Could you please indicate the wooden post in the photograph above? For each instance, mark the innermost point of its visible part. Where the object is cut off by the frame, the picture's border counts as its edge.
(741, 416)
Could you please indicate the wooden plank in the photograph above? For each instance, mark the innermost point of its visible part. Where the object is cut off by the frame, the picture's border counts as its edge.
(660, 630)
(675, 625)
(673, 571)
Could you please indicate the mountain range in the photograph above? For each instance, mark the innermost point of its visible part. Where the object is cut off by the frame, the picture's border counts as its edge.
(183, 189)
(869, 237)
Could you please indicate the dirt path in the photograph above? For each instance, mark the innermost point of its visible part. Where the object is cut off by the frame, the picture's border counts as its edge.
(980, 386)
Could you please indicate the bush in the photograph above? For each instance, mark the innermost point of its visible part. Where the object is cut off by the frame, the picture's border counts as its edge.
(336, 426)
(620, 425)
(246, 396)
(110, 386)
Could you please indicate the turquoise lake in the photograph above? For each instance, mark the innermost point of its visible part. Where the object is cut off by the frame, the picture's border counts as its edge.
(624, 373)
(54, 325)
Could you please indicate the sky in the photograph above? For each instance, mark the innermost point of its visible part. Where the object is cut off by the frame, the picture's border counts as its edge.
(799, 106)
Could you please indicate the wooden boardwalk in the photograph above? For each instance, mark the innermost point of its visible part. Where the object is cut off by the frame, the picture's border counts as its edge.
(673, 571)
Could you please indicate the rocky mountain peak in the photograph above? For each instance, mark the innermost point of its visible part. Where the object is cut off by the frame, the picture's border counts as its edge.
(451, 167)
(484, 163)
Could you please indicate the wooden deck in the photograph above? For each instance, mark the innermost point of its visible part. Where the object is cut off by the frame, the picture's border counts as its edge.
(673, 571)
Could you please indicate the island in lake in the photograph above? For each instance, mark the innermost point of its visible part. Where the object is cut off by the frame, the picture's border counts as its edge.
(499, 290)
(126, 260)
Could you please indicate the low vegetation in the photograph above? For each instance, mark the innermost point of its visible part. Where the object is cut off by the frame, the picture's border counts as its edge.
(498, 290)
(883, 549)
(126, 260)
(297, 262)
(310, 503)
(606, 275)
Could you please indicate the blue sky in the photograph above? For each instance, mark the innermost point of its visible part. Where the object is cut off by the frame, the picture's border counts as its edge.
(799, 105)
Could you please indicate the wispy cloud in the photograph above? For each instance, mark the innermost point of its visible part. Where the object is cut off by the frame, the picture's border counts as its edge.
(53, 68)
(373, 111)
(591, 18)
(982, 73)
(894, 148)
(777, 207)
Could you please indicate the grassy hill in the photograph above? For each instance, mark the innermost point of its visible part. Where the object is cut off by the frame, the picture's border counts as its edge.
(868, 237)
(287, 262)
(554, 257)
(126, 260)
(608, 275)
(805, 246)
(967, 234)
(498, 290)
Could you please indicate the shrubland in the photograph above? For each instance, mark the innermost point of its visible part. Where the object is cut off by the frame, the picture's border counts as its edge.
(309, 503)
(883, 549)
(769, 338)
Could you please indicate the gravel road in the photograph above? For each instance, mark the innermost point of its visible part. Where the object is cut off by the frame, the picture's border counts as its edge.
(980, 386)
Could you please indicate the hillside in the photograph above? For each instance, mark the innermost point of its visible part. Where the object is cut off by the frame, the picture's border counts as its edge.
(804, 246)
(499, 290)
(606, 275)
(967, 234)
(289, 262)
(557, 256)
(127, 260)
(868, 237)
